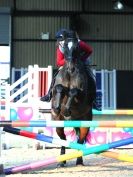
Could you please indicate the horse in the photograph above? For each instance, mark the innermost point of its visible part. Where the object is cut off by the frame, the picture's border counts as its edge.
(73, 93)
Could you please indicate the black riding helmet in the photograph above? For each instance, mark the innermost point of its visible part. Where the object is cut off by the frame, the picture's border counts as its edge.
(61, 34)
(64, 33)
(71, 35)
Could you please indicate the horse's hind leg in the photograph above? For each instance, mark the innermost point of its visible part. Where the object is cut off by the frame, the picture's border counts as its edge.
(61, 134)
(82, 137)
(83, 134)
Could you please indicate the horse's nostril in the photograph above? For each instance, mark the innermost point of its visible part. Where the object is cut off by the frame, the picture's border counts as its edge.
(67, 113)
(67, 118)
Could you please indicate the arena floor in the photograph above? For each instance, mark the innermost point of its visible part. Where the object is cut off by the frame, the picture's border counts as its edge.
(95, 165)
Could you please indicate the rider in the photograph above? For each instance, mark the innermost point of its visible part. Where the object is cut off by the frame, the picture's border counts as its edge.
(85, 49)
(85, 53)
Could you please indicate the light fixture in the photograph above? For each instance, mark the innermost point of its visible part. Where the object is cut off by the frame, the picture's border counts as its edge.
(118, 5)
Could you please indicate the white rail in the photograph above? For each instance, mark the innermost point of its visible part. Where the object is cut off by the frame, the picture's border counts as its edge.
(26, 90)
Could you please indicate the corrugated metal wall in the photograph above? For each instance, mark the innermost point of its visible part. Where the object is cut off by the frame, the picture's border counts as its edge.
(109, 33)
(96, 5)
(66, 5)
(111, 27)
(34, 51)
(103, 6)
(112, 55)
(63, 5)
(31, 27)
(30, 53)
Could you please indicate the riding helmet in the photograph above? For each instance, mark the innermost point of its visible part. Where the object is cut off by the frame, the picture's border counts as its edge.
(61, 34)
(71, 34)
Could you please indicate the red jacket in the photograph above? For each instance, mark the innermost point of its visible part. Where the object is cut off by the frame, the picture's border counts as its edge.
(86, 51)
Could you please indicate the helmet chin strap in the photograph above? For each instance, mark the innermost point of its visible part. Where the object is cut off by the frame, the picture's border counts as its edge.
(61, 43)
(61, 48)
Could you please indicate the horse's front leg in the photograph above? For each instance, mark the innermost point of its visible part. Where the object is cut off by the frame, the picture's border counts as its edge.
(61, 134)
(58, 91)
(71, 95)
(82, 138)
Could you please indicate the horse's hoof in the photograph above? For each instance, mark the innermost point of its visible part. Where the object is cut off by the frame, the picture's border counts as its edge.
(61, 165)
(80, 164)
(67, 114)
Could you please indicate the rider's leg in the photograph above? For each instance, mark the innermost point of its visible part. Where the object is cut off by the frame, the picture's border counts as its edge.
(90, 73)
(48, 96)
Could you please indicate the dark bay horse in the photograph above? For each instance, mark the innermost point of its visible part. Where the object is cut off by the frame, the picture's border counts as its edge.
(73, 93)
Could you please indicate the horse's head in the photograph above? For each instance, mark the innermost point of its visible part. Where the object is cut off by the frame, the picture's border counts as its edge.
(71, 52)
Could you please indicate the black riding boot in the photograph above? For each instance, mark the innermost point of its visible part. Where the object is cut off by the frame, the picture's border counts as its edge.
(96, 105)
(90, 74)
(48, 97)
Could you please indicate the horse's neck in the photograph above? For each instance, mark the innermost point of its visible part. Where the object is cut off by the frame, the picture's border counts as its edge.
(79, 68)
(64, 72)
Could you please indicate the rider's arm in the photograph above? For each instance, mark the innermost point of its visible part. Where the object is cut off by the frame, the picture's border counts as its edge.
(60, 61)
(86, 49)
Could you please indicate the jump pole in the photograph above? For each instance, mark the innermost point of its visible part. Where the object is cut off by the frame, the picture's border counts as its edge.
(69, 156)
(57, 141)
(103, 112)
(118, 156)
(123, 157)
(45, 123)
(113, 112)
